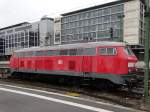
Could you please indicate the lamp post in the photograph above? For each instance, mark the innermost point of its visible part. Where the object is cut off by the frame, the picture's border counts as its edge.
(146, 52)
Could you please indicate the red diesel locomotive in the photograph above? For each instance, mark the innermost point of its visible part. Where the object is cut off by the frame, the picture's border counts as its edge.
(112, 61)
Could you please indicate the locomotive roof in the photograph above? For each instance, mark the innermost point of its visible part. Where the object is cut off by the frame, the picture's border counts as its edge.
(72, 46)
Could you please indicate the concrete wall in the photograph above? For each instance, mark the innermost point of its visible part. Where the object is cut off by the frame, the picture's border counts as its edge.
(132, 21)
(46, 31)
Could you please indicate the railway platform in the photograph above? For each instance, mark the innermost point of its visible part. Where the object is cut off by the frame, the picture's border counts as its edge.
(17, 99)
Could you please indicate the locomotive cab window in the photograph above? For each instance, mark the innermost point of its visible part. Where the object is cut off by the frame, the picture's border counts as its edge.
(103, 51)
(111, 51)
(128, 51)
(107, 51)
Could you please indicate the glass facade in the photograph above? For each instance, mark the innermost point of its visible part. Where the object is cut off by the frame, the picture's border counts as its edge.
(21, 39)
(25, 35)
(2, 45)
(17, 37)
(92, 25)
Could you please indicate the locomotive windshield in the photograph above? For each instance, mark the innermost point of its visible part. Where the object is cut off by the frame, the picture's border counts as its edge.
(129, 51)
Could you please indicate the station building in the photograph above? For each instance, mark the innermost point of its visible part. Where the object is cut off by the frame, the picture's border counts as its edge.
(24, 35)
(121, 20)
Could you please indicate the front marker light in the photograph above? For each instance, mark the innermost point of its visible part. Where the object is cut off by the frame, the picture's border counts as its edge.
(131, 64)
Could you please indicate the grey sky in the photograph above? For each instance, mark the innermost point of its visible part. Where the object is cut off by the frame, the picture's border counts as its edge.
(16, 11)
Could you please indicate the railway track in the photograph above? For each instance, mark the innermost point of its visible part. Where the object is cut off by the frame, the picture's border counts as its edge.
(84, 88)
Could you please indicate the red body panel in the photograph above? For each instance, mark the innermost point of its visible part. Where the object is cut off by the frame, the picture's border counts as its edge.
(87, 64)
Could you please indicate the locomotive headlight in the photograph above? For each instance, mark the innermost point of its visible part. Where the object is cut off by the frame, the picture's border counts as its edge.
(131, 64)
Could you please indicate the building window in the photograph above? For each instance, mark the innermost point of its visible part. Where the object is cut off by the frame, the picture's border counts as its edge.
(100, 19)
(100, 27)
(107, 11)
(116, 9)
(107, 19)
(100, 13)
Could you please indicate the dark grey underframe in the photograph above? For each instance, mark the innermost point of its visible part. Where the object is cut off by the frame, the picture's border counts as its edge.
(116, 79)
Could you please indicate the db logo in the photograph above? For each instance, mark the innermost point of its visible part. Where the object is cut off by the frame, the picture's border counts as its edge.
(60, 62)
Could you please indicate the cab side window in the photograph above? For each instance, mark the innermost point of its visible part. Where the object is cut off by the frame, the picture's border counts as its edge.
(107, 51)
(103, 51)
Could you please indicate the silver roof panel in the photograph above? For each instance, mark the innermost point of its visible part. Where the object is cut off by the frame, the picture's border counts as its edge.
(72, 46)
